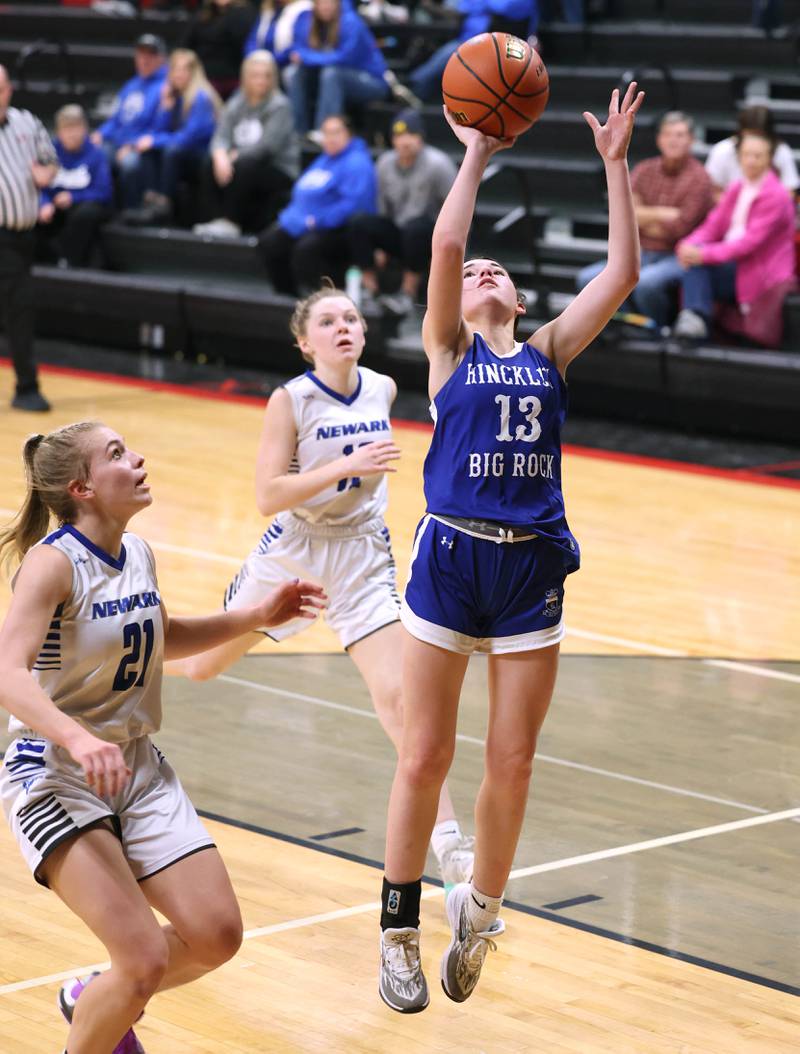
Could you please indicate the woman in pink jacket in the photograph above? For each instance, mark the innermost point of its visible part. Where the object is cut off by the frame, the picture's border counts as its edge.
(743, 249)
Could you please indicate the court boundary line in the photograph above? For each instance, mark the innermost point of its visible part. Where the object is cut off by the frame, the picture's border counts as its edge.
(374, 906)
(742, 475)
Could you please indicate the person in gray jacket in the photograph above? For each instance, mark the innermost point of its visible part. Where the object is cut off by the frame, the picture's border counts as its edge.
(254, 155)
(413, 181)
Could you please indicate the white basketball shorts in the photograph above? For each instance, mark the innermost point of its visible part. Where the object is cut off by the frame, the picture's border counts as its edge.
(47, 800)
(353, 564)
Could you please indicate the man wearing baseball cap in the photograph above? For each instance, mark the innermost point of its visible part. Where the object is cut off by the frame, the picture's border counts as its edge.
(137, 103)
(413, 181)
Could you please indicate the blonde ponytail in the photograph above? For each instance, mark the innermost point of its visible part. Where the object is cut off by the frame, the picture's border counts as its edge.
(51, 462)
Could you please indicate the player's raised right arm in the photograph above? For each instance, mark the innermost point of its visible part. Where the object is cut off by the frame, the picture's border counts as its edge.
(277, 488)
(444, 332)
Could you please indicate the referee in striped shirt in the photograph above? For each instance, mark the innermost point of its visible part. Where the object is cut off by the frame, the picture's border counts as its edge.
(27, 162)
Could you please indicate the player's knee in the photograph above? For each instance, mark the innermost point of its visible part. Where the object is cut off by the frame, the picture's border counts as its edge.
(221, 941)
(146, 969)
(510, 768)
(427, 764)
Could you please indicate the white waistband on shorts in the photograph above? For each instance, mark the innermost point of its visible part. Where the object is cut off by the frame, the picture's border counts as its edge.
(500, 534)
(332, 530)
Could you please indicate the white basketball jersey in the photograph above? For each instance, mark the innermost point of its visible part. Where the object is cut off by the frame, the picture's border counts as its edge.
(101, 660)
(330, 425)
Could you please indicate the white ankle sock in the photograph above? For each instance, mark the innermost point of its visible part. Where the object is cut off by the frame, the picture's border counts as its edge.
(482, 911)
(444, 835)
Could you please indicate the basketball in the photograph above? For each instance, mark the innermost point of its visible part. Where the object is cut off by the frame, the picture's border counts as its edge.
(496, 83)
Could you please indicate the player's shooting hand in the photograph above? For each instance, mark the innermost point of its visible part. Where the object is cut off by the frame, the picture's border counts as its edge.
(613, 137)
(471, 137)
(291, 600)
(102, 763)
(372, 458)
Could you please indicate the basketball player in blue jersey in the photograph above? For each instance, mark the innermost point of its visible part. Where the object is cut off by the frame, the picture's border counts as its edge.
(490, 556)
(99, 814)
(326, 447)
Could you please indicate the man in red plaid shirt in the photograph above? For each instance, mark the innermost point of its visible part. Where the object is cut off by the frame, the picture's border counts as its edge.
(672, 194)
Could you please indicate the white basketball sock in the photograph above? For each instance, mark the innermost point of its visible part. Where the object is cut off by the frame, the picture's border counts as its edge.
(446, 835)
(482, 910)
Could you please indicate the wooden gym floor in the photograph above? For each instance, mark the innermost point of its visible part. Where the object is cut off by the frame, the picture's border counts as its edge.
(653, 904)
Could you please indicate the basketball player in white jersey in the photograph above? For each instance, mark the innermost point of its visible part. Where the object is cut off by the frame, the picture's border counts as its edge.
(99, 814)
(326, 446)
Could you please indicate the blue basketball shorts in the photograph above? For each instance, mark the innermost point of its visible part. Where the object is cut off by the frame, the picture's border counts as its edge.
(467, 594)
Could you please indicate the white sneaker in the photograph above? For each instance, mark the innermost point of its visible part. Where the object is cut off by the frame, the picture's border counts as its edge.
(456, 862)
(402, 985)
(463, 959)
(220, 228)
(690, 326)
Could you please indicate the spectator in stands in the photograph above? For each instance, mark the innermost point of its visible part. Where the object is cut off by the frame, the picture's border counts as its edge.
(273, 30)
(76, 203)
(671, 195)
(178, 145)
(338, 63)
(519, 17)
(767, 14)
(255, 154)
(27, 163)
(413, 181)
(217, 34)
(311, 236)
(743, 254)
(722, 163)
(136, 106)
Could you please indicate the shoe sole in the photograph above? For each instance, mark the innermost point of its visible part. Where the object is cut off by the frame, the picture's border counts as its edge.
(404, 1009)
(446, 956)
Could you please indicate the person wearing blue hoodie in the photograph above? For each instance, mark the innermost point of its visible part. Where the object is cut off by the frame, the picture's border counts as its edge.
(137, 103)
(76, 203)
(520, 17)
(177, 147)
(337, 62)
(310, 237)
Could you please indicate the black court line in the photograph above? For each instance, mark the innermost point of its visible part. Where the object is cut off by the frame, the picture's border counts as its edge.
(573, 902)
(526, 909)
(336, 834)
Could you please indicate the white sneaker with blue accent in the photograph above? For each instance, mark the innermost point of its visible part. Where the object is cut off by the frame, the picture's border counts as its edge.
(463, 959)
(402, 984)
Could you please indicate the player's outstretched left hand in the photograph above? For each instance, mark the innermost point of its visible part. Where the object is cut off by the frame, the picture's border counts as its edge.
(296, 599)
(613, 137)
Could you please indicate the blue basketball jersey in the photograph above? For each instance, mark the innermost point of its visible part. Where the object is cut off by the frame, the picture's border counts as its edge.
(496, 448)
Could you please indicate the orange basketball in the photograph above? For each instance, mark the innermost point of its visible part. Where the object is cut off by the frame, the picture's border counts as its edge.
(496, 83)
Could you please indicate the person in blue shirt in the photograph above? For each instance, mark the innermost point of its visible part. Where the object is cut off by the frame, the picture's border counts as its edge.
(273, 30)
(177, 146)
(137, 103)
(310, 238)
(337, 62)
(519, 17)
(76, 203)
(490, 556)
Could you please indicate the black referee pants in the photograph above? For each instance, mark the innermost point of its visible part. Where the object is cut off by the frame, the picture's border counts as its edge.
(16, 302)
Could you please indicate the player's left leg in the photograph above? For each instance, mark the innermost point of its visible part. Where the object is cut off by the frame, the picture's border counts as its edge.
(520, 689)
(204, 927)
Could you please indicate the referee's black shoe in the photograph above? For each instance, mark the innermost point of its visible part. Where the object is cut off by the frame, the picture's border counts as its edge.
(32, 400)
